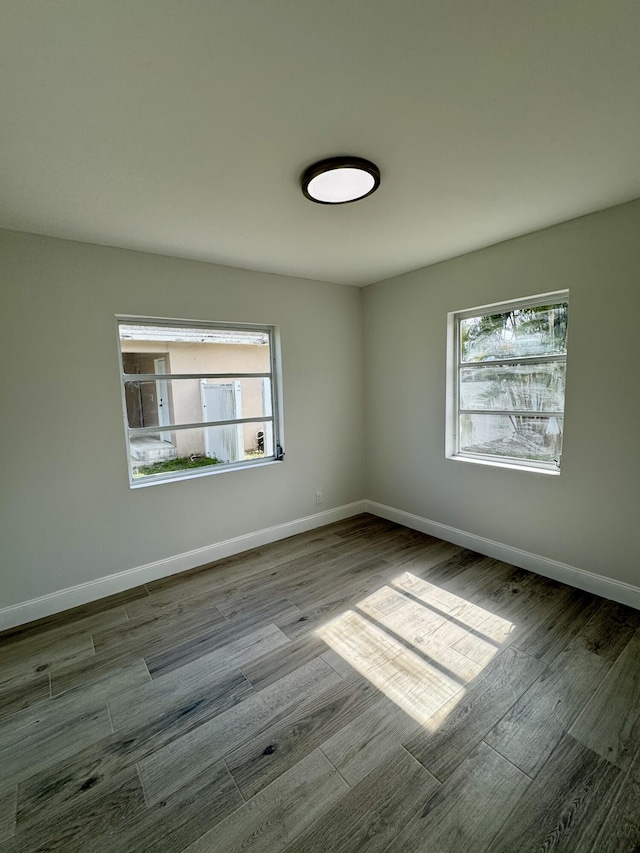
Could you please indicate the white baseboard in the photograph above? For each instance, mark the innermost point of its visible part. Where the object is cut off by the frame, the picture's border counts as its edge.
(624, 593)
(64, 599)
(73, 596)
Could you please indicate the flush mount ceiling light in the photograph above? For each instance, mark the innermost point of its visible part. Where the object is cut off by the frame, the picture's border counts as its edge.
(339, 180)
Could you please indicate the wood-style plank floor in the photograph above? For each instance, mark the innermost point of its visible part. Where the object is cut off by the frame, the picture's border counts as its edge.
(361, 687)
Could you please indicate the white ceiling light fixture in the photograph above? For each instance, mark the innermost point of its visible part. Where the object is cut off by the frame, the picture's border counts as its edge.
(339, 180)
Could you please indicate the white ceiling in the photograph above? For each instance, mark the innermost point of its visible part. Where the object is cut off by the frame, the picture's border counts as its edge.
(182, 126)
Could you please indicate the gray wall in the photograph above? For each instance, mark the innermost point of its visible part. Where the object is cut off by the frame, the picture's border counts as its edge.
(589, 516)
(68, 514)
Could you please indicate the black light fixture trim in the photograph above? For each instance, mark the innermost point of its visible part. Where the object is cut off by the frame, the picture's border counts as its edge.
(332, 163)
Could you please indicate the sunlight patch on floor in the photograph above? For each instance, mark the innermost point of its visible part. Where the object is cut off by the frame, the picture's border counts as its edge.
(418, 644)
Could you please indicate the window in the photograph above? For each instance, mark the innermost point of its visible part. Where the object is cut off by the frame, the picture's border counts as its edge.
(506, 382)
(198, 398)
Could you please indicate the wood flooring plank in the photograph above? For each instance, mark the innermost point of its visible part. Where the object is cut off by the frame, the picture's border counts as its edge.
(465, 813)
(480, 632)
(485, 597)
(175, 824)
(241, 651)
(23, 690)
(280, 812)
(339, 664)
(72, 617)
(182, 685)
(73, 782)
(169, 657)
(571, 610)
(36, 655)
(46, 719)
(99, 669)
(294, 547)
(523, 599)
(376, 544)
(369, 816)
(61, 630)
(376, 525)
(304, 579)
(38, 719)
(361, 644)
(80, 829)
(339, 599)
(431, 556)
(409, 534)
(246, 569)
(178, 702)
(59, 736)
(609, 630)
(406, 551)
(177, 620)
(414, 682)
(277, 746)
(285, 659)
(152, 609)
(471, 576)
(437, 597)
(519, 607)
(530, 730)
(118, 820)
(356, 638)
(225, 579)
(239, 586)
(358, 747)
(8, 802)
(425, 631)
(160, 715)
(273, 582)
(153, 643)
(460, 725)
(445, 562)
(355, 524)
(169, 768)
(610, 723)
(336, 573)
(565, 806)
(534, 606)
(483, 643)
(108, 682)
(621, 830)
(218, 575)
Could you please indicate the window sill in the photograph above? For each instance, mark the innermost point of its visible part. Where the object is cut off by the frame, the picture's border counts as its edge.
(511, 466)
(178, 476)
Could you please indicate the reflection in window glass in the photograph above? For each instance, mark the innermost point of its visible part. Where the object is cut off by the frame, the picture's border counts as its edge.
(514, 387)
(532, 439)
(533, 331)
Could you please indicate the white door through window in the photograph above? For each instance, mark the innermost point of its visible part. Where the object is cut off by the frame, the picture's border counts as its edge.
(162, 395)
(222, 401)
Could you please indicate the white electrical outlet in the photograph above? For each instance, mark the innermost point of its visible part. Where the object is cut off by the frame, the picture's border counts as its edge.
(318, 498)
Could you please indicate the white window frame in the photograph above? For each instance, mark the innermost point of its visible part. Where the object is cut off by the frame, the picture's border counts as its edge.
(454, 366)
(274, 375)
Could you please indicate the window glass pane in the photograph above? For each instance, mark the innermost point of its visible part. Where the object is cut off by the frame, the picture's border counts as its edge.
(165, 349)
(541, 330)
(519, 387)
(189, 449)
(538, 439)
(162, 402)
